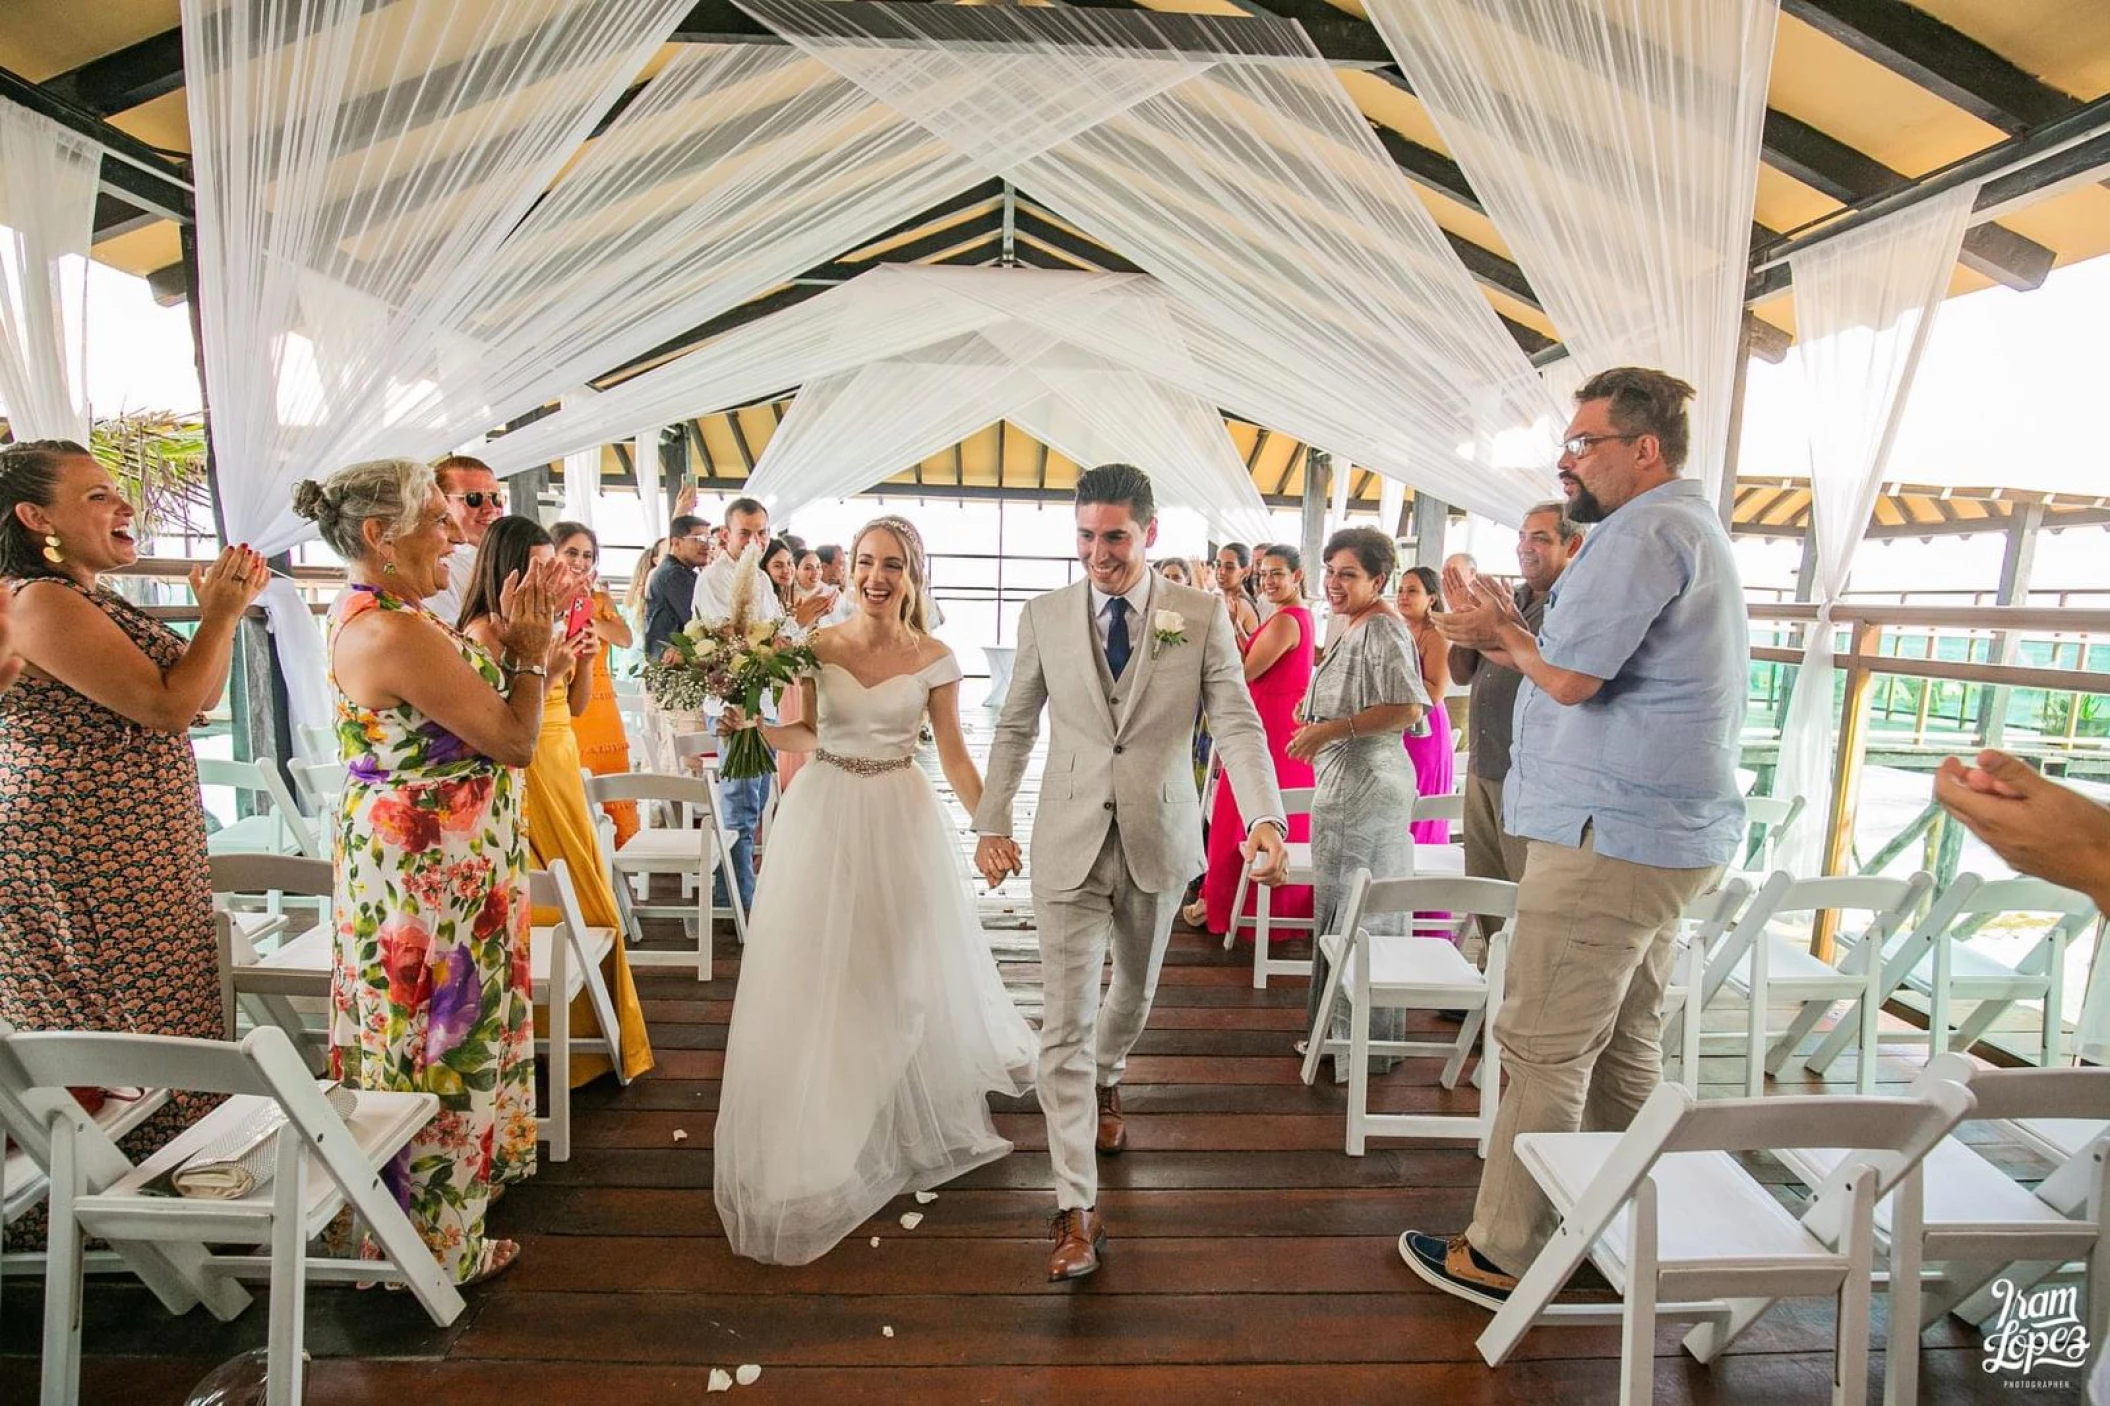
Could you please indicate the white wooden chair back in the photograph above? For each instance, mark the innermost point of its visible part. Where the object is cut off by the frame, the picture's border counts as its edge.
(1296, 801)
(693, 853)
(1449, 808)
(574, 966)
(318, 743)
(321, 787)
(1777, 815)
(314, 1145)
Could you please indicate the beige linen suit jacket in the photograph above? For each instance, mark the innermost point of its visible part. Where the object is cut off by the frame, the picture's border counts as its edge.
(1129, 758)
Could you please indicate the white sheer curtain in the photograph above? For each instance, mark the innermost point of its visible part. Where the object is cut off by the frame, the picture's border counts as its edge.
(1864, 304)
(582, 473)
(48, 179)
(1615, 144)
(1251, 187)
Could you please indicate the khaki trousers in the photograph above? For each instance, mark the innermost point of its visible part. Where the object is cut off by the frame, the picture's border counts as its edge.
(1083, 1042)
(1490, 851)
(1581, 1020)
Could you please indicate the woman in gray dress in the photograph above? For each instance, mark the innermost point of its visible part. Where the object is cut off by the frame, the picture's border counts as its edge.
(1366, 694)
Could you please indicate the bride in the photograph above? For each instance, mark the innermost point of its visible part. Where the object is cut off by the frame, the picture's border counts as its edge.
(869, 1022)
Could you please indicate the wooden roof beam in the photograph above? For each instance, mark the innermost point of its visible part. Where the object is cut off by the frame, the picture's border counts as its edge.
(126, 78)
(1946, 62)
(134, 172)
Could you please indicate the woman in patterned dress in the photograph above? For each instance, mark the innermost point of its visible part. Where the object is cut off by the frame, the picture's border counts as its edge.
(430, 988)
(105, 898)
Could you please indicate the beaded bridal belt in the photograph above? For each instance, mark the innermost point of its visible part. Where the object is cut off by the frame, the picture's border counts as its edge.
(864, 766)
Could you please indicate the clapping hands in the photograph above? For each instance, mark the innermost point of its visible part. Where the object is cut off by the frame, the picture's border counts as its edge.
(229, 585)
(527, 603)
(1476, 611)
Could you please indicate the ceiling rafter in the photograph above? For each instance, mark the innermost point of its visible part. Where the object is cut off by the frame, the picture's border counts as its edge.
(1946, 62)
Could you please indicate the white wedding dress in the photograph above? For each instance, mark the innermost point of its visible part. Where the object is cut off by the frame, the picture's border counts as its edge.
(869, 1023)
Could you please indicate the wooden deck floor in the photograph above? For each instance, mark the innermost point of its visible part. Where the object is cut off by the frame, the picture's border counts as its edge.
(1251, 1259)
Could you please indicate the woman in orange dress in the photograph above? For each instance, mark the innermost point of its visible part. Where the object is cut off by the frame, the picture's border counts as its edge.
(604, 748)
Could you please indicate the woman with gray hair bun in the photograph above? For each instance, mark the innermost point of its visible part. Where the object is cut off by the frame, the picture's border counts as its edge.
(430, 989)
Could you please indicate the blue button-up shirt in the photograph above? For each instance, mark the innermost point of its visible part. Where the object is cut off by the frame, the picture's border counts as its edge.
(1653, 606)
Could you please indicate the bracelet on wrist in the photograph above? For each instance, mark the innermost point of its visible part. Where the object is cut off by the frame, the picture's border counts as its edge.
(511, 665)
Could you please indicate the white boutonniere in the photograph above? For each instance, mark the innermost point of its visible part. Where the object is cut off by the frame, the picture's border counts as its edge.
(1167, 628)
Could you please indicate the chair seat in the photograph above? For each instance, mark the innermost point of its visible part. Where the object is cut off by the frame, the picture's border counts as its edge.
(1796, 970)
(1421, 972)
(2065, 1136)
(661, 847)
(254, 834)
(1974, 974)
(380, 1124)
(1709, 1211)
(1440, 861)
(542, 941)
(25, 1180)
(1962, 1189)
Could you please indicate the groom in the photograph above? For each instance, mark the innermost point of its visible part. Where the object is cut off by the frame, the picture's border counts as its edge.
(1125, 660)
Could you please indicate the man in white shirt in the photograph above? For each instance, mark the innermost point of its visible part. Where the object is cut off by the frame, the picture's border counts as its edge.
(746, 531)
(474, 502)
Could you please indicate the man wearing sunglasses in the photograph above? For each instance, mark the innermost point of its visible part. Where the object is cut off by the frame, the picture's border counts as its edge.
(1622, 782)
(474, 502)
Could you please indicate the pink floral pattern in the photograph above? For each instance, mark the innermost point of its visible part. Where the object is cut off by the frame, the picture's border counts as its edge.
(431, 987)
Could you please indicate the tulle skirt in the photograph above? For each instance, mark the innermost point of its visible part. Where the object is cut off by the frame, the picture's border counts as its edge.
(869, 1025)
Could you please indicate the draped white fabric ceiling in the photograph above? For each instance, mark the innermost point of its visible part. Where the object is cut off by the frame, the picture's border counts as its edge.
(1615, 144)
(47, 210)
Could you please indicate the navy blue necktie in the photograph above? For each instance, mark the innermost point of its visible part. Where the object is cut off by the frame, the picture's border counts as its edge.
(1117, 646)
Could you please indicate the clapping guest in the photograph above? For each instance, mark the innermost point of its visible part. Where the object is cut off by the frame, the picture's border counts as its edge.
(105, 899)
(1278, 667)
(430, 987)
(604, 748)
(559, 822)
(1419, 598)
(1233, 568)
(1363, 697)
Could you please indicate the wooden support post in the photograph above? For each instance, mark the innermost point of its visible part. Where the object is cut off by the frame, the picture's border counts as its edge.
(1318, 469)
(1432, 519)
(525, 493)
(1846, 774)
(2024, 522)
(1725, 491)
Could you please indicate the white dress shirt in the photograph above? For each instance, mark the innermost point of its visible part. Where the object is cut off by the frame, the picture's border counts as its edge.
(714, 591)
(447, 603)
(1138, 598)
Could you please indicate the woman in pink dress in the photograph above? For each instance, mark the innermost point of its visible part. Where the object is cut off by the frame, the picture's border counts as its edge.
(1420, 597)
(1278, 665)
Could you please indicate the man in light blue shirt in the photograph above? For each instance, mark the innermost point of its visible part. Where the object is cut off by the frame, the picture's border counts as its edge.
(1622, 782)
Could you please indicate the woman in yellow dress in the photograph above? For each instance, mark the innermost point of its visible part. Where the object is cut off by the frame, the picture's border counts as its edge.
(559, 822)
(604, 748)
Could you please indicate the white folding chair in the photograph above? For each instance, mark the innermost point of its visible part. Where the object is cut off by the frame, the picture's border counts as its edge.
(1980, 1224)
(1447, 859)
(1296, 801)
(566, 959)
(1936, 960)
(1412, 972)
(1763, 966)
(1684, 1232)
(694, 851)
(23, 1182)
(321, 1163)
(271, 959)
(1700, 926)
(277, 829)
(318, 742)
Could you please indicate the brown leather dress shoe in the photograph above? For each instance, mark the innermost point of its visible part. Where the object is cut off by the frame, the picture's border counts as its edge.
(1079, 1238)
(1113, 1128)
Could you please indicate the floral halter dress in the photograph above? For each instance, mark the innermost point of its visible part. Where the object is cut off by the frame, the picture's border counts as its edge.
(431, 990)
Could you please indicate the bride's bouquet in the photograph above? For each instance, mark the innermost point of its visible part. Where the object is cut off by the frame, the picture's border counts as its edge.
(737, 660)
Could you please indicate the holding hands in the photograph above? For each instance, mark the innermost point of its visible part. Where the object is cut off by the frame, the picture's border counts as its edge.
(997, 858)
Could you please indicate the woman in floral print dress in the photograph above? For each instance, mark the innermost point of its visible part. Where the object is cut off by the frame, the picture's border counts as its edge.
(431, 988)
(105, 898)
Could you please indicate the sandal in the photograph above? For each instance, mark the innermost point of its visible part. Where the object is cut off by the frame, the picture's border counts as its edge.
(498, 1257)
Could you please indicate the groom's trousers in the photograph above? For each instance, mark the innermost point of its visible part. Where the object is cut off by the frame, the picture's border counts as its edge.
(1081, 1040)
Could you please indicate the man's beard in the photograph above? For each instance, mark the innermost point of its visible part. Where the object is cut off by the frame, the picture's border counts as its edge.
(1584, 507)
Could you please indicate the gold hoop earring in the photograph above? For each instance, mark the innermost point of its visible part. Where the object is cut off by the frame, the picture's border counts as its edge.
(52, 553)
